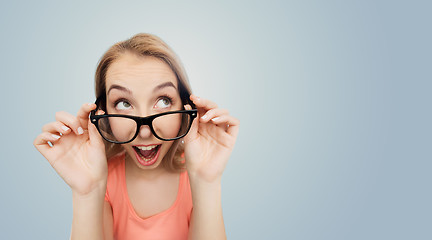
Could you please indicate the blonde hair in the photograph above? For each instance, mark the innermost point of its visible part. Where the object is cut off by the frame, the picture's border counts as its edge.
(144, 44)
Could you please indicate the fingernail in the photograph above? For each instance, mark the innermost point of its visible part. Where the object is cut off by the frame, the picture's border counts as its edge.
(89, 104)
(80, 131)
(204, 117)
(65, 128)
(215, 119)
(55, 136)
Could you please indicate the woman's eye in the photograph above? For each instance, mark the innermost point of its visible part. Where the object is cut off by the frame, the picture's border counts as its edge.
(123, 105)
(163, 103)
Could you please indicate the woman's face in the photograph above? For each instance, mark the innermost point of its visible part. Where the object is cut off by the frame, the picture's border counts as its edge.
(142, 86)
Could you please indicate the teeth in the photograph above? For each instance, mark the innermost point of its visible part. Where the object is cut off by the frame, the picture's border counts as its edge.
(143, 148)
(146, 148)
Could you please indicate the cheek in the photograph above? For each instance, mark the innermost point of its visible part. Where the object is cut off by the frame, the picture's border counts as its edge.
(123, 129)
(166, 147)
(167, 126)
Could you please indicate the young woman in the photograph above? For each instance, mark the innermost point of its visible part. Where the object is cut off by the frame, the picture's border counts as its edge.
(148, 162)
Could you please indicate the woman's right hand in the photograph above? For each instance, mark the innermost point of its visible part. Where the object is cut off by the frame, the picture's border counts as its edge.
(77, 152)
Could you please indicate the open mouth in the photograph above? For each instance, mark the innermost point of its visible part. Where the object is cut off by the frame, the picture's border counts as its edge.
(147, 155)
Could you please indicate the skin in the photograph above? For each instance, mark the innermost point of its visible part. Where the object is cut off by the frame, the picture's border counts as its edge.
(78, 154)
(139, 79)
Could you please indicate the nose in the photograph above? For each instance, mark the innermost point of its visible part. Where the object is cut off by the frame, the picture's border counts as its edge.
(145, 132)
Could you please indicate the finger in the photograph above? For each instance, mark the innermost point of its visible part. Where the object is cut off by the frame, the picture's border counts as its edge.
(70, 121)
(203, 103)
(56, 127)
(193, 131)
(44, 137)
(213, 113)
(187, 107)
(83, 114)
(41, 144)
(230, 123)
(219, 132)
(226, 119)
(94, 136)
(42, 141)
(100, 112)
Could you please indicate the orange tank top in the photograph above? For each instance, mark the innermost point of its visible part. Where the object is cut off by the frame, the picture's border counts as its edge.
(172, 223)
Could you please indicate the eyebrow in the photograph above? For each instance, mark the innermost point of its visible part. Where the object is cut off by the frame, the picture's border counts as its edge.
(165, 85)
(118, 87)
(127, 90)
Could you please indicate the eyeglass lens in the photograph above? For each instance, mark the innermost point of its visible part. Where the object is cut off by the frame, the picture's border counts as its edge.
(122, 129)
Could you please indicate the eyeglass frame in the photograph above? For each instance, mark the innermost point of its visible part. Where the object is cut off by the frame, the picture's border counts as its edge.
(140, 121)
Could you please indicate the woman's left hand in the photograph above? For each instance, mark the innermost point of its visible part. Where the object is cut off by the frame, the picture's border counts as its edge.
(210, 141)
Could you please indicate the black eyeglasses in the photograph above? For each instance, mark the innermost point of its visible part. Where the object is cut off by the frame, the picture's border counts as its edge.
(167, 126)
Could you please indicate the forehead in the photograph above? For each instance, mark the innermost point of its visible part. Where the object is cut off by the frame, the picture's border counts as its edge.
(138, 73)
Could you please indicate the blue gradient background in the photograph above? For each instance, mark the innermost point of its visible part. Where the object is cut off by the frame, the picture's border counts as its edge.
(334, 99)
